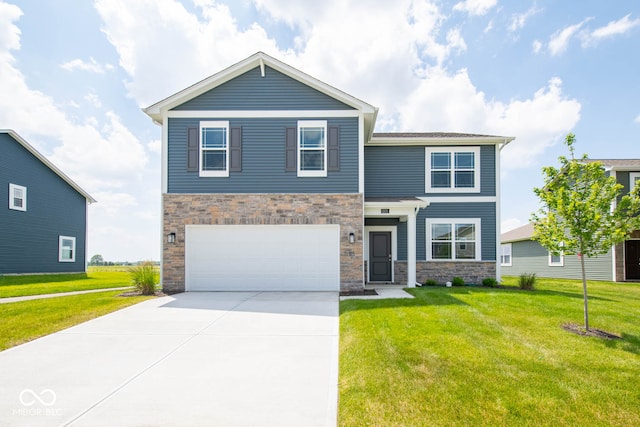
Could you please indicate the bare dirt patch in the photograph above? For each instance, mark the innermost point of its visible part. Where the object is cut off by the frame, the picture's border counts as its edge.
(592, 332)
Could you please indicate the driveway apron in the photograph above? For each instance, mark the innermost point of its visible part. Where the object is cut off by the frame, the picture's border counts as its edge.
(192, 359)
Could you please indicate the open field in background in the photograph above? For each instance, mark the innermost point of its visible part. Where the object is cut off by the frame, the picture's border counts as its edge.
(13, 286)
(482, 356)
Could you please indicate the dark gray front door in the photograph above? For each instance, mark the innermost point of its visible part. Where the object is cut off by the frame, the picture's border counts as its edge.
(632, 259)
(380, 256)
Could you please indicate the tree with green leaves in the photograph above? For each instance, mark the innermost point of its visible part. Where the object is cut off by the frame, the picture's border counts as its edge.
(96, 260)
(583, 212)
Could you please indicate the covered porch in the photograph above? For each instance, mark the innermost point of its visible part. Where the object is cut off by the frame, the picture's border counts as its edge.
(390, 239)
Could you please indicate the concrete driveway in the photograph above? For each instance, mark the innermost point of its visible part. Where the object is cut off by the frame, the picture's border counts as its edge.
(193, 359)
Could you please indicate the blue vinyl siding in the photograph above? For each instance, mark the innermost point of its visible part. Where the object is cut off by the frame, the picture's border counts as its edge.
(263, 160)
(400, 171)
(30, 239)
(529, 256)
(484, 211)
(274, 91)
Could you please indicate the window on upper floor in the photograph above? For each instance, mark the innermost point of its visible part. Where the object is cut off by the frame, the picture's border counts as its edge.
(312, 148)
(214, 148)
(452, 170)
(453, 239)
(505, 254)
(17, 197)
(634, 179)
(67, 249)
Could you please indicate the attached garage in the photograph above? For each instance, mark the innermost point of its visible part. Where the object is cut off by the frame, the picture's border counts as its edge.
(262, 257)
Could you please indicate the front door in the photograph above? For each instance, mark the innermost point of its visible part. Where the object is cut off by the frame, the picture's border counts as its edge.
(632, 259)
(380, 256)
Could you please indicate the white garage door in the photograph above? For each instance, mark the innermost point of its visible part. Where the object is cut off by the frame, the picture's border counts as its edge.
(262, 258)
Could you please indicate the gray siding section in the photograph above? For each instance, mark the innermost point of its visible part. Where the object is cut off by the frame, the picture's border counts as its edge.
(263, 160)
(274, 91)
(529, 256)
(485, 211)
(400, 171)
(30, 239)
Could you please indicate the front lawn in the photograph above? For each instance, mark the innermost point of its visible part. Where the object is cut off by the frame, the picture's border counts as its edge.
(482, 356)
(24, 321)
(14, 286)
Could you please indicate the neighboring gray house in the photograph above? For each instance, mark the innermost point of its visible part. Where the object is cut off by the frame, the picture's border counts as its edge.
(520, 254)
(43, 222)
(274, 180)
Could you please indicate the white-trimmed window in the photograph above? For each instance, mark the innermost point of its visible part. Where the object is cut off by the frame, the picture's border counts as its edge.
(312, 148)
(505, 254)
(634, 179)
(17, 197)
(452, 169)
(453, 239)
(214, 148)
(556, 260)
(67, 249)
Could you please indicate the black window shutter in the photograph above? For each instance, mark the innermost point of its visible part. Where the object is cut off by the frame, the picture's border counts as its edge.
(333, 143)
(235, 151)
(291, 150)
(192, 150)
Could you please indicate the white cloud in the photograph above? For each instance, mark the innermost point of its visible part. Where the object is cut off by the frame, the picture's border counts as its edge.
(91, 65)
(637, 120)
(536, 46)
(613, 28)
(9, 32)
(519, 20)
(560, 39)
(155, 146)
(93, 99)
(475, 7)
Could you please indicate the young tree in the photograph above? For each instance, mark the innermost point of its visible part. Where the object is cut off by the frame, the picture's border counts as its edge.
(96, 260)
(578, 215)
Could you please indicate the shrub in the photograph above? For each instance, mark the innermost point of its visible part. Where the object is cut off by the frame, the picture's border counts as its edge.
(457, 281)
(489, 282)
(527, 281)
(144, 277)
(430, 282)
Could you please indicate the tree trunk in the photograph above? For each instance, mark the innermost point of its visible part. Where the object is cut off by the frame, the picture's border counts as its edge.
(584, 292)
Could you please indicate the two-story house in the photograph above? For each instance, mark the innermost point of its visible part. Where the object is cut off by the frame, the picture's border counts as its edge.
(274, 180)
(44, 218)
(521, 254)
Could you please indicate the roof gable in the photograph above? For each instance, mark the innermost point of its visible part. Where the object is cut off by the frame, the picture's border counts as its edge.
(263, 61)
(17, 138)
(524, 232)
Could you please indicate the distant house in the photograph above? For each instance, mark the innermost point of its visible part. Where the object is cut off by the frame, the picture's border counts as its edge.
(520, 254)
(43, 220)
(274, 180)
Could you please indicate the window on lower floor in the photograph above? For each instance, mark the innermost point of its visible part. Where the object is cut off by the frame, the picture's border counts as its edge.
(67, 249)
(453, 239)
(556, 260)
(505, 254)
(17, 197)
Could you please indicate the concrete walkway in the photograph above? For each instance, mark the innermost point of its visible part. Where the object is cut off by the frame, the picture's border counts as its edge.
(193, 359)
(60, 294)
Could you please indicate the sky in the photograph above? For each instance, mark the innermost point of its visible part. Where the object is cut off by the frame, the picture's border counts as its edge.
(74, 76)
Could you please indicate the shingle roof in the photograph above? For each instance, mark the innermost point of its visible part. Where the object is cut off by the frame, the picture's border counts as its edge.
(430, 135)
(614, 163)
(521, 233)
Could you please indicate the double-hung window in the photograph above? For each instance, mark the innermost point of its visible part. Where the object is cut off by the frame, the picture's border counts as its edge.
(556, 260)
(634, 179)
(17, 197)
(214, 148)
(452, 170)
(312, 148)
(453, 239)
(505, 254)
(67, 249)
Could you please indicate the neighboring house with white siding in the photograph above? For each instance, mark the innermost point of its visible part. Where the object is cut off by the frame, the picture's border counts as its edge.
(519, 253)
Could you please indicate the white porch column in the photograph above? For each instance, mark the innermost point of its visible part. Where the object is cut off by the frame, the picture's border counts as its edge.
(411, 249)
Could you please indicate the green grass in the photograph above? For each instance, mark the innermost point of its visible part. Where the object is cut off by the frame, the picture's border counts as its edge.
(14, 286)
(493, 357)
(24, 321)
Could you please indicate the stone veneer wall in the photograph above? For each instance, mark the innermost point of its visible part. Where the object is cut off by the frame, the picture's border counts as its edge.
(619, 261)
(442, 272)
(259, 209)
